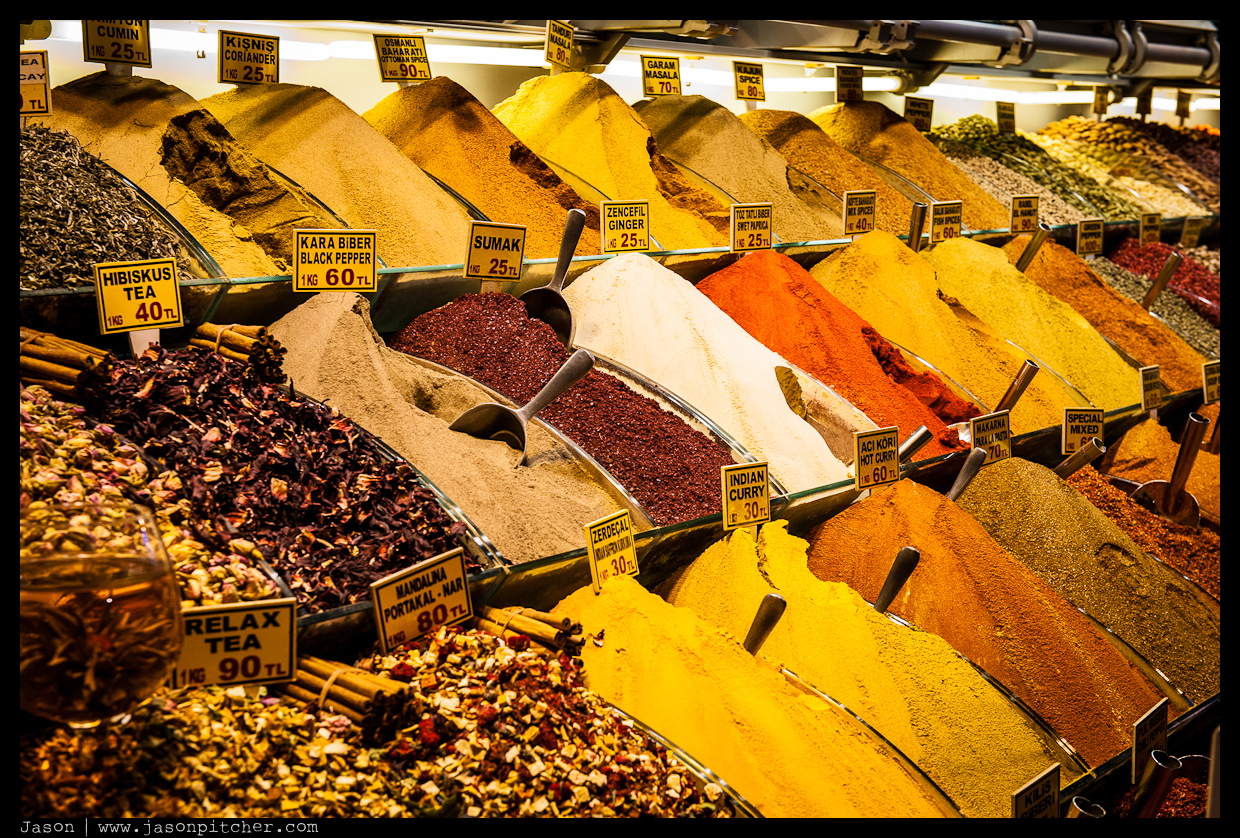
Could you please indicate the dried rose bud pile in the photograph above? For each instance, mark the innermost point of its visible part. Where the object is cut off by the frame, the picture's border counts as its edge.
(62, 460)
(208, 752)
(292, 478)
(508, 733)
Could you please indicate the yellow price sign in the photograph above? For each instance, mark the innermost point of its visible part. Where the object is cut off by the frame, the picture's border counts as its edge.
(993, 433)
(751, 227)
(1005, 117)
(1080, 425)
(558, 51)
(1151, 227)
(1210, 382)
(749, 81)
(117, 42)
(746, 491)
(137, 295)
(1152, 388)
(1024, 214)
(945, 220)
(848, 80)
(920, 112)
(402, 58)
(1089, 236)
(860, 207)
(625, 226)
(334, 260)
(876, 457)
(34, 84)
(496, 251)
(248, 59)
(418, 600)
(660, 76)
(610, 548)
(238, 643)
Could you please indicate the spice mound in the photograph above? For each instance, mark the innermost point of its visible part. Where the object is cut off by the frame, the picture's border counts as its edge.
(1197, 553)
(1089, 561)
(786, 751)
(506, 731)
(777, 302)
(442, 128)
(897, 291)
(122, 119)
(643, 315)
(812, 152)
(75, 211)
(909, 685)
(318, 141)
(672, 469)
(1197, 285)
(595, 141)
(1067, 277)
(992, 609)
(982, 278)
(1147, 452)
(301, 482)
(710, 140)
(872, 131)
(334, 355)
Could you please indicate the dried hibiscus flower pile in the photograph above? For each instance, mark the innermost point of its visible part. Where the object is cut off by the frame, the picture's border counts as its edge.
(508, 733)
(286, 476)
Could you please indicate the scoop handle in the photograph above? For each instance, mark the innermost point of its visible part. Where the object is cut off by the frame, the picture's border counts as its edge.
(972, 465)
(1018, 386)
(916, 441)
(1086, 455)
(574, 369)
(901, 569)
(1032, 248)
(1190, 444)
(769, 612)
(573, 225)
(1164, 276)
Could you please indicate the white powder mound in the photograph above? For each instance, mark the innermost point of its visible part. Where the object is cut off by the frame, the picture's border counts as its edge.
(637, 312)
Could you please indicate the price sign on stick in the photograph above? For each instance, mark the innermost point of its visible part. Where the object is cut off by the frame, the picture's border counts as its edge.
(421, 599)
(1152, 388)
(238, 643)
(1080, 425)
(1038, 798)
(496, 251)
(559, 45)
(993, 433)
(334, 260)
(749, 84)
(876, 458)
(1024, 214)
(1183, 103)
(1210, 381)
(1089, 236)
(1145, 102)
(746, 494)
(33, 83)
(751, 227)
(1102, 98)
(660, 76)
(848, 80)
(610, 548)
(1005, 117)
(1192, 231)
(920, 112)
(1151, 227)
(137, 295)
(1149, 733)
(117, 42)
(248, 59)
(625, 226)
(945, 220)
(402, 58)
(859, 211)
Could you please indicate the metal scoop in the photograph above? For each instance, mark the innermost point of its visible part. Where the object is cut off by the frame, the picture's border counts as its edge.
(547, 303)
(495, 421)
(1168, 499)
